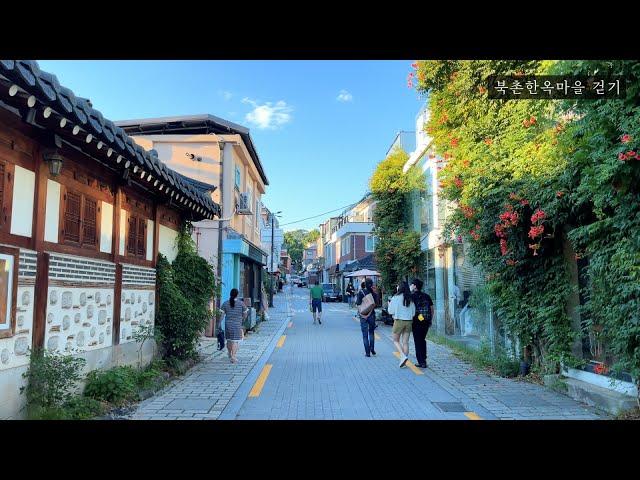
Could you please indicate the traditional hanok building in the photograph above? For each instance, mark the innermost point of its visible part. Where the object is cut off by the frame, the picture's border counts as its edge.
(84, 212)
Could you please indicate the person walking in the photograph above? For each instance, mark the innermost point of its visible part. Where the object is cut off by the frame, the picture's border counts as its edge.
(234, 313)
(402, 308)
(368, 322)
(315, 301)
(421, 321)
(350, 293)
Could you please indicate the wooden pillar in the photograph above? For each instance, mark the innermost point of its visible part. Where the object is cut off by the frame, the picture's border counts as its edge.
(40, 201)
(115, 241)
(117, 304)
(41, 300)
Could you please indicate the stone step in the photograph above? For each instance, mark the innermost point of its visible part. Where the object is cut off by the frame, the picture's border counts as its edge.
(602, 398)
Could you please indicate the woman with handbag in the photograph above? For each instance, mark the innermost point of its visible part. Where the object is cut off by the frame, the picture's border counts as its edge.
(402, 308)
(235, 312)
(366, 303)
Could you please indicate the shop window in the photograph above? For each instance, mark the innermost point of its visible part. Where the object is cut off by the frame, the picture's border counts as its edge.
(137, 236)
(8, 290)
(80, 220)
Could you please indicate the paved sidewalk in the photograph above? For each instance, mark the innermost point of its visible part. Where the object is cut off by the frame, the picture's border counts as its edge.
(507, 399)
(207, 389)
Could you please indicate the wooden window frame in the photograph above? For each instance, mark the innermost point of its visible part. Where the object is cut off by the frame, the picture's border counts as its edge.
(15, 253)
(81, 246)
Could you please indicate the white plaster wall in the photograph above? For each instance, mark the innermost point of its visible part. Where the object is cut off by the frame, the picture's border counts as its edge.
(78, 319)
(123, 229)
(167, 242)
(22, 209)
(14, 350)
(11, 400)
(106, 227)
(52, 212)
(150, 233)
(137, 309)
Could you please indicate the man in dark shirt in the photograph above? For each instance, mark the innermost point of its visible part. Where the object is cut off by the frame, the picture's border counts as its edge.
(368, 323)
(421, 321)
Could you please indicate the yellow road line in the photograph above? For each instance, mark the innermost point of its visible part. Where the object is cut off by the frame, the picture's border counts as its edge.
(411, 366)
(257, 388)
(472, 416)
(281, 341)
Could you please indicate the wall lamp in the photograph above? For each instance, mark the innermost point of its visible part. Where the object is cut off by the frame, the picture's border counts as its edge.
(55, 160)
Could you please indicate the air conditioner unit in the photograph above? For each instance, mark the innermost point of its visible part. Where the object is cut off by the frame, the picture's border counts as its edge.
(244, 205)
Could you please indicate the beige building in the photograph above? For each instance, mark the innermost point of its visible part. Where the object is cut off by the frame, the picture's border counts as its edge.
(214, 151)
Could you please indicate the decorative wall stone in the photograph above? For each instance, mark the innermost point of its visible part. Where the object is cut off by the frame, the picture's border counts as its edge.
(50, 318)
(108, 299)
(90, 311)
(80, 339)
(135, 310)
(76, 318)
(102, 317)
(52, 343)
(12, 354)
(53, 297)
(21, 345)
(66, 322)
(67, 299)
(97, 296)
(83, 299)
(101, 338)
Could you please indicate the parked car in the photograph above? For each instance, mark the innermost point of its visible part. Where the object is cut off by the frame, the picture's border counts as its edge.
(331, 293)
(302, 282)
(294, 279)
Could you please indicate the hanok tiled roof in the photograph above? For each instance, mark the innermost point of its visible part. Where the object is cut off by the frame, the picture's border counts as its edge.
(24, 86)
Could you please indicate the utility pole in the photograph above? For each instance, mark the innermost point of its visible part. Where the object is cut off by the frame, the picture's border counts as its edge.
(221, 144)
(272, 248)
(273, 224)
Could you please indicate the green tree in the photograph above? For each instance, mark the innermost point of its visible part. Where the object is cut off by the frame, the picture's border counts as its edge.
(398, 253)
(295, 243)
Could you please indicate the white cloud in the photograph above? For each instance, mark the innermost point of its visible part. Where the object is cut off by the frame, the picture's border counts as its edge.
(344, 96)
(226, 94)
(268, 115)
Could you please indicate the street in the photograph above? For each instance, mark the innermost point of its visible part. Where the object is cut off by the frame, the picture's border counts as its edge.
(292, 369)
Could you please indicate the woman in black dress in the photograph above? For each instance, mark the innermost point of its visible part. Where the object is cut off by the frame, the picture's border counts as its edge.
(235, 312)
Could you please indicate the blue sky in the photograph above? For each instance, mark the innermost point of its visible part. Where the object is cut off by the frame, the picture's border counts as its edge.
(320, 127)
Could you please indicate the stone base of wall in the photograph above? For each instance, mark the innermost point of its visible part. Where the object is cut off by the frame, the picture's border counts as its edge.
(12, 401)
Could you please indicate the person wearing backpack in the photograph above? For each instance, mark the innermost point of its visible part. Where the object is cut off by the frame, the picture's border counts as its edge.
(366, 303)
(402, 308)
(421, 321)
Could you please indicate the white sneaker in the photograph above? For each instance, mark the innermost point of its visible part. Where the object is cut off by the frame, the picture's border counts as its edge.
(403, 361)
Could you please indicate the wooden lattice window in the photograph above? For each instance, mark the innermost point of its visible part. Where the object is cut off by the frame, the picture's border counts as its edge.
(137, 236)
(89, 220)
(80, 220)
(72, 216)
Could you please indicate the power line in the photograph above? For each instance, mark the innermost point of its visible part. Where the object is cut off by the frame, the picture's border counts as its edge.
(319, 215)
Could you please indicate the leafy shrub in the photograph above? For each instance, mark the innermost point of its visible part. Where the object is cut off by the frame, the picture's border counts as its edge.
(116, 385)
(186, 289)
(83, 408)
(51, 381)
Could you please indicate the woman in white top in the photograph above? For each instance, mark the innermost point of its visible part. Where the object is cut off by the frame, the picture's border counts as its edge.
(402, 309)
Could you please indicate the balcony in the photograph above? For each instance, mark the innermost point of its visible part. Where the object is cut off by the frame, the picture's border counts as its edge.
(354, 227)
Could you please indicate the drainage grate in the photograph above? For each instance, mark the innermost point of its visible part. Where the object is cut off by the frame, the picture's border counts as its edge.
(450, 406)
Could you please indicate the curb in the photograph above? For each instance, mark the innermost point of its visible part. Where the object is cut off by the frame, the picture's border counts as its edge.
(240, 396)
